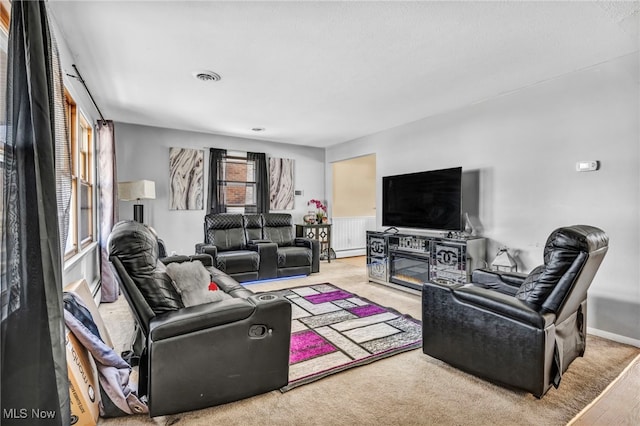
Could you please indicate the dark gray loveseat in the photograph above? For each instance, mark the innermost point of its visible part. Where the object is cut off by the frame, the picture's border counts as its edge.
(258, 246)
(204, 355)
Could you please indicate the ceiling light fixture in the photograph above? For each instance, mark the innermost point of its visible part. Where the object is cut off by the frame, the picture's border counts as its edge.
(258, 129)
(207, 76)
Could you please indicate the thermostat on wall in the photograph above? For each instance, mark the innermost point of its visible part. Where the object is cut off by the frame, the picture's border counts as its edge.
(587, 166)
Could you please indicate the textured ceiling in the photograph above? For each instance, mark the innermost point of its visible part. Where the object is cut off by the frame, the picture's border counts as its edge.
(321, 73)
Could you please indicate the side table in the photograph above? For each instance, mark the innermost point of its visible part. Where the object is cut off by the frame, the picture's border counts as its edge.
(320, 232)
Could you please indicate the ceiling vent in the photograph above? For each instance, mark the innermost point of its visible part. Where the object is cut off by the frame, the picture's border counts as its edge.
(207, 76)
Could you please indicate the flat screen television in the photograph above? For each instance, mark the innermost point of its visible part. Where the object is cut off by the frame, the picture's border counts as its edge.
(425, 200)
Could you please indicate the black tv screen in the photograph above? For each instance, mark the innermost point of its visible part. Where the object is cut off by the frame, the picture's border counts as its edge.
(427, 200)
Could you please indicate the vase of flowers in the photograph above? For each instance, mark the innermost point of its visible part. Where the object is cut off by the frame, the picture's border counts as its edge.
(310, 218)
(321, 210)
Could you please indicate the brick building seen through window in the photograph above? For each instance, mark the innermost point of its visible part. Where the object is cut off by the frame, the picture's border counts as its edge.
(239, 184)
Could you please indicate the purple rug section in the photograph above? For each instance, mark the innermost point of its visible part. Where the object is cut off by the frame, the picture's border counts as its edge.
(328, 297)
(306, 345)
(367, 310)
(336, 330)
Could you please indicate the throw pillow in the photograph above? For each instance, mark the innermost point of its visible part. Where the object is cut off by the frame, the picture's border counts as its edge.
(192, 280)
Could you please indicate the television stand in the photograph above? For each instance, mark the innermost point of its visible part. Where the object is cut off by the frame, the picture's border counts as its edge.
(408, 260)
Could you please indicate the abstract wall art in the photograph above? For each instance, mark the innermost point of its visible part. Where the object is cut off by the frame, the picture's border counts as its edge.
(186, 174)
(281, 184)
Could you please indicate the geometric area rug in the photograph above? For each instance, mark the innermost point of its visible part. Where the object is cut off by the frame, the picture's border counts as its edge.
(333, 330)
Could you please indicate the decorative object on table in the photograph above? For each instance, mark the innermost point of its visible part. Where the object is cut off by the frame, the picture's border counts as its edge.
(136, 191)
(360, 332)
(186, 174)
(321, 210)
(469, 229)
(309, 218)
(281, 191)
(504, 261)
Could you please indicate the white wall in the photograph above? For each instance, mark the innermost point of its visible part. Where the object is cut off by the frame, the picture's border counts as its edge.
(142, 152)
(525, 145)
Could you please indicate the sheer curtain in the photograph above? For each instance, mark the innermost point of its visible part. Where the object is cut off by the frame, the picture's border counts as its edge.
(107, 205)
(262, 180)
(33, 362)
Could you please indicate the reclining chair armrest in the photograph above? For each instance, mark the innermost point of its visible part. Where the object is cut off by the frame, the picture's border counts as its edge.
(179, 258)
(268, 252)
(314, 245)
(504, 282)
(206, 259)
(210, 249)
(227, 284)
(502, 304)
(304, 242)
(254, 242)
(199, 317)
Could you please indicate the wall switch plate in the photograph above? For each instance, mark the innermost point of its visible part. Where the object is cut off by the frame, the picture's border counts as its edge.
(587, 166)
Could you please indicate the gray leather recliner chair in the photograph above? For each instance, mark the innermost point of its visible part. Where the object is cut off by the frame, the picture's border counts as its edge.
(521, 331)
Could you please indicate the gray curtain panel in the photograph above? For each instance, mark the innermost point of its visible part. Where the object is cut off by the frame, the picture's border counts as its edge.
(215, 196)
(262, 180)
(107, 205)
(33, 362)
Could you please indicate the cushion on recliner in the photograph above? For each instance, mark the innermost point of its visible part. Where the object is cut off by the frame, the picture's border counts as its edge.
(137, 248)
(227, 239)
(253, 227)
(289, 257)
(564, 254)
(225, 231)
(278, 228)
(234, 262)
(530, 291)
(192, 280)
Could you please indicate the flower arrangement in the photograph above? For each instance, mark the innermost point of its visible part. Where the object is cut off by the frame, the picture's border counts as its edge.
(318, 205)
(321, 211)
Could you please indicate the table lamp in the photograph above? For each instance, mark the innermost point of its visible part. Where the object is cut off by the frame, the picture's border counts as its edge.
(136, 191)
(504, 261)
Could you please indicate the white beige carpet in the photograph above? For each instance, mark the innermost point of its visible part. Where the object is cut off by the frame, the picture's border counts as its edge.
(406, 389)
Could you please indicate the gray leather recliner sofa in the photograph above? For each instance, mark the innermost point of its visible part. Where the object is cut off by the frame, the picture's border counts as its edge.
(198, 356)
(258, 246)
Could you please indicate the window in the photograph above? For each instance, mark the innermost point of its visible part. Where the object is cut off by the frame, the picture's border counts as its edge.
(4, 45)
(81, 211)
(237, 183)
(85, 182)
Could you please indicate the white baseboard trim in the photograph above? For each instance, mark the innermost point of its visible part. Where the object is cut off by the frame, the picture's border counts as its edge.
(350, 253)
(615, 337)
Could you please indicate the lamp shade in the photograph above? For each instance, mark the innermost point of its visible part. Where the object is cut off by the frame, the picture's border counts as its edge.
(137, 190)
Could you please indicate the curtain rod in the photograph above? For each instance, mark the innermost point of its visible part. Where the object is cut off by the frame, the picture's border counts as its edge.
(81, 80)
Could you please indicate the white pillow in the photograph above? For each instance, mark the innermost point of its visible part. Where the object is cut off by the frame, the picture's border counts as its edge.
(192, 282)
